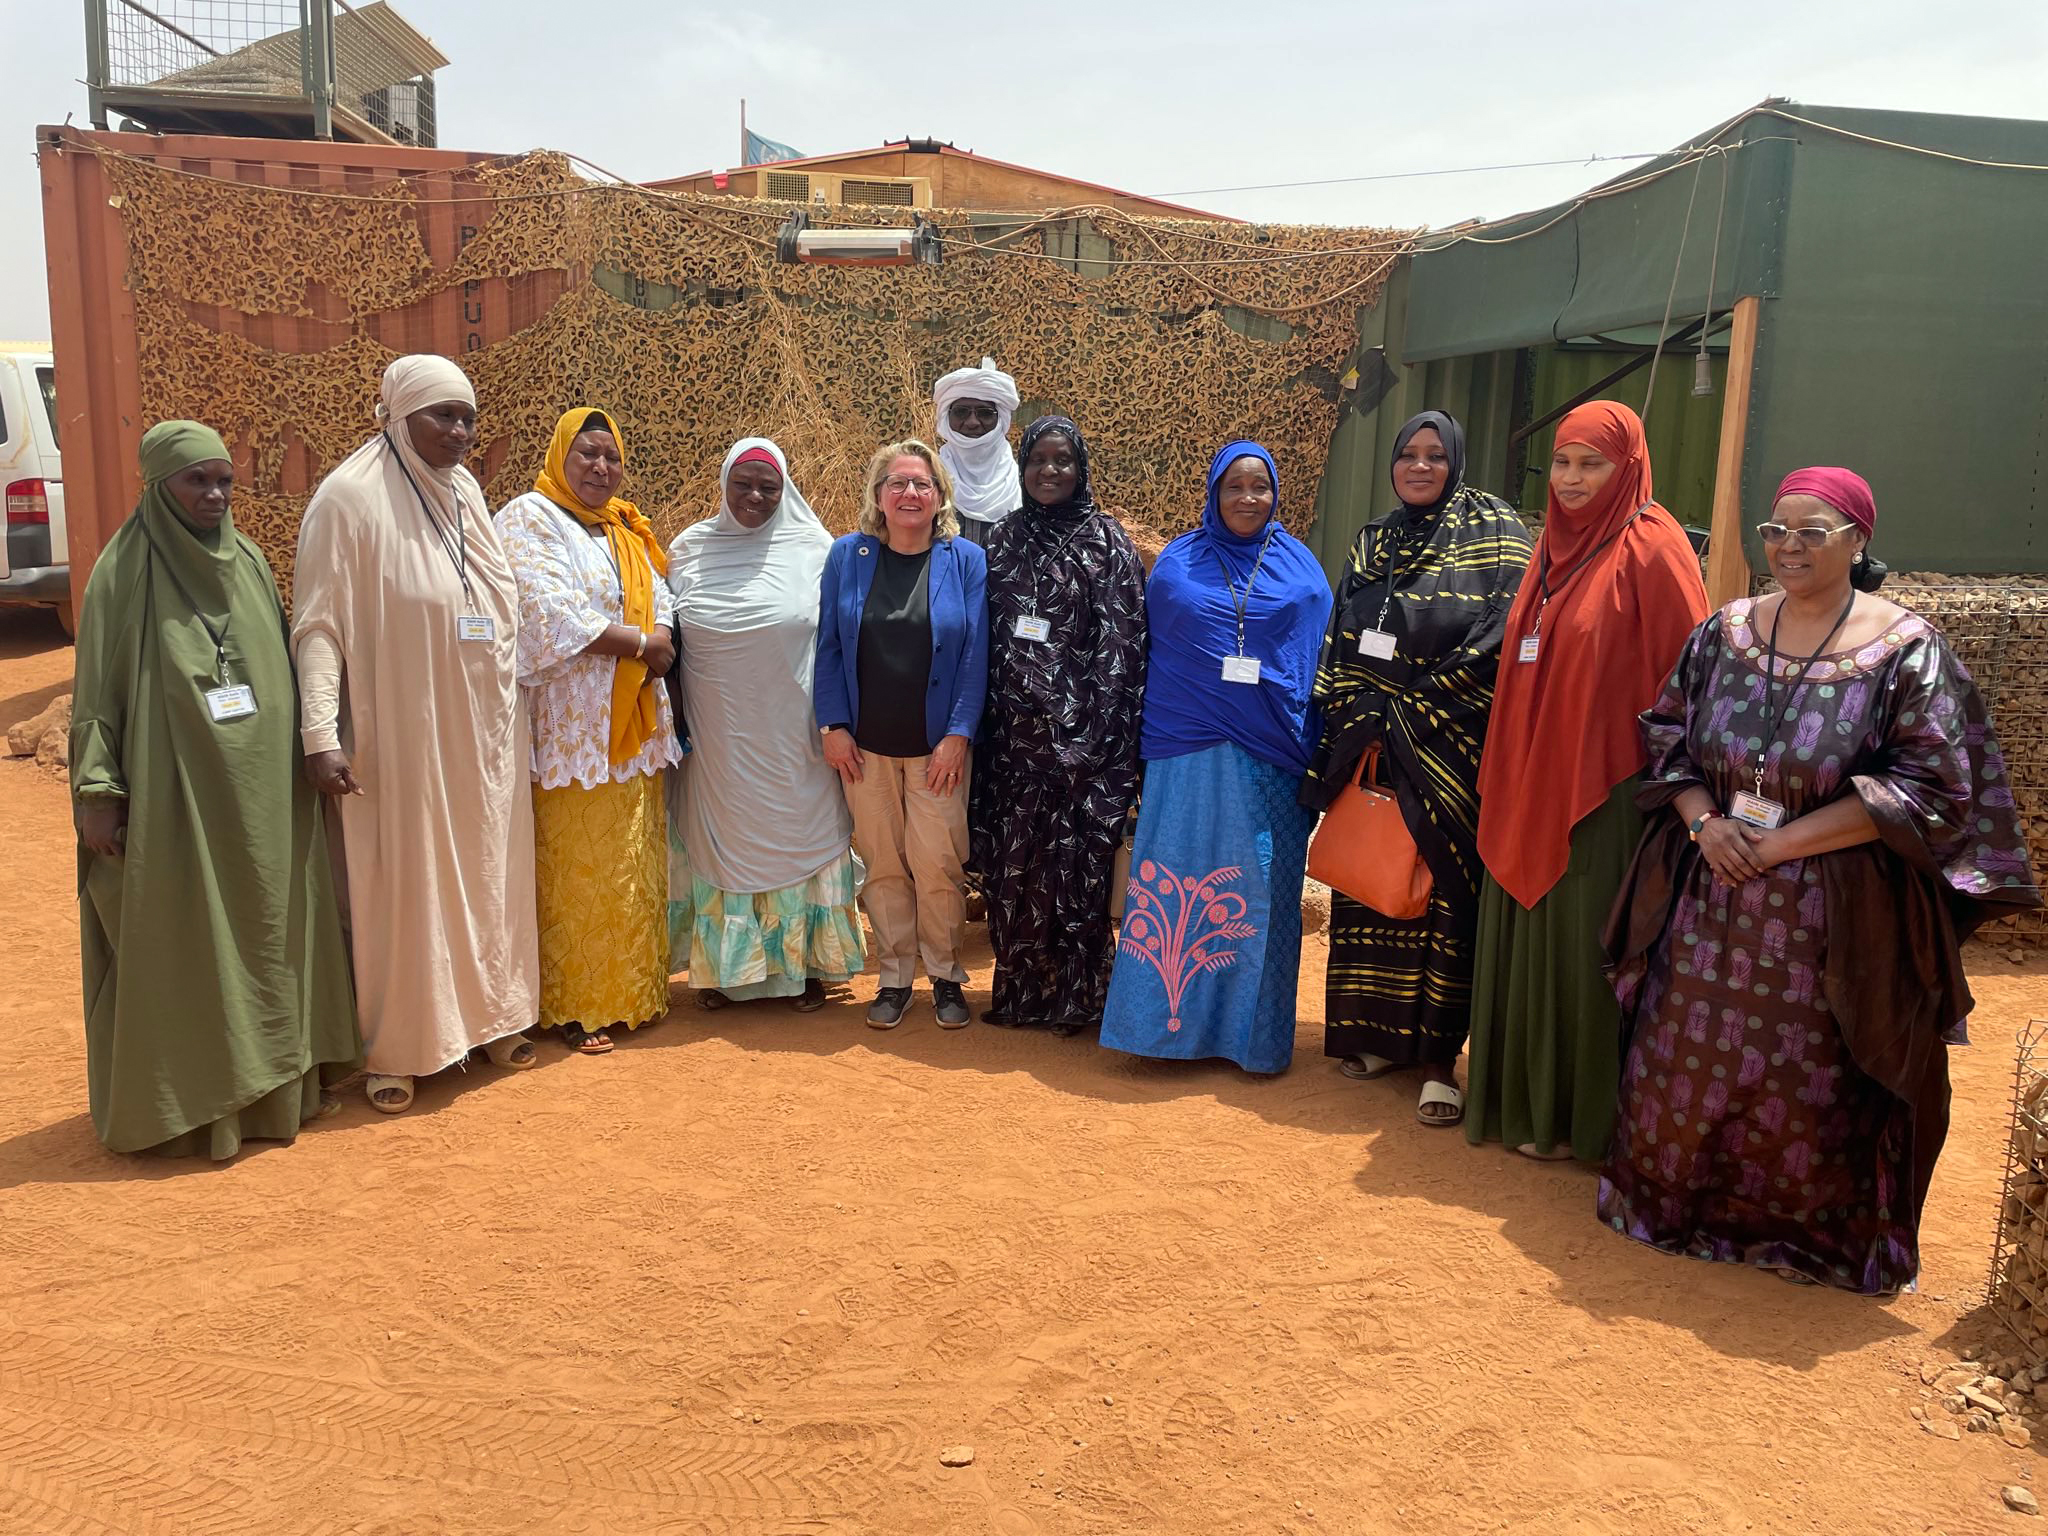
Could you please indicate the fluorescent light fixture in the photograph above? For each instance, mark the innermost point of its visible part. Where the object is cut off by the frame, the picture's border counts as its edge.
(865, 247)
(855, 247)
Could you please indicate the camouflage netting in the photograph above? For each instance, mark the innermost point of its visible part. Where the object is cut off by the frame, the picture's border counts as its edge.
(1999, 627)
(674, 313)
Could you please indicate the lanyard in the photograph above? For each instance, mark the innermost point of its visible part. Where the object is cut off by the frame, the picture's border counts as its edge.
(1242, 604)
(457, 551)
(1057, 550)
(1543, 568)
(1393, 572)
(1771, 678)
(219, 637)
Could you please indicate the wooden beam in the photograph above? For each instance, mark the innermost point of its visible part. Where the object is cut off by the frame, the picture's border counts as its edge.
(1727, 566)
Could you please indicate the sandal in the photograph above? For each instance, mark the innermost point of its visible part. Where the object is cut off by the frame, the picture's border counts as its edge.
(515, 1053)
(1440, 1095)
(586, 1042)
(1793, 1277)
(330, 1104)
(1557, 1154)
(812, 998)
(1365, 1066)
(387, 1094)
(711, 1000)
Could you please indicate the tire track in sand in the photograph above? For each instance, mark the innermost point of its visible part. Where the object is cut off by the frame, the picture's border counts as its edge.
(332, 1426)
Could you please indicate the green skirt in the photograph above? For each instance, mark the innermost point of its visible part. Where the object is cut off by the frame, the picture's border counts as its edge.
(1545, 1063)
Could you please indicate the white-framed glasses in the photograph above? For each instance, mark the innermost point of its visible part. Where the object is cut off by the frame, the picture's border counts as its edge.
(903, 487)
(1776, 535)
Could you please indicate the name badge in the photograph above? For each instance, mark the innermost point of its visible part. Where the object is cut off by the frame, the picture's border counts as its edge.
(1031, 627)
(1530, 645)
(230, 703)
(471, 627)
(1240, 669)
(1376, 643)
(1756, 811)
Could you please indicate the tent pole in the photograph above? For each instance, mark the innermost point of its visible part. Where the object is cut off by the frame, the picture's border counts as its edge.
(1728, 571)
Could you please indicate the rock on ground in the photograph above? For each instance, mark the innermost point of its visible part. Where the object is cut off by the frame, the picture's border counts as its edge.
(46, 733)
(1315, 906)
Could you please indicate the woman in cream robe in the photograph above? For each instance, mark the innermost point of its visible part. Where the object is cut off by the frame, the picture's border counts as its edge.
(406, 632)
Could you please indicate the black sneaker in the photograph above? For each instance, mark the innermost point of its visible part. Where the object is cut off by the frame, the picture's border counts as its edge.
(886, 1011)
(949, 1005)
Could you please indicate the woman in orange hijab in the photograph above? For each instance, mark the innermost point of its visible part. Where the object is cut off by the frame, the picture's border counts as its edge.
(596, 635)
(1607, 605)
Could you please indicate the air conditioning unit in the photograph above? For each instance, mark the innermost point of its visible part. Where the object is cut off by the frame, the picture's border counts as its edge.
(813, 188)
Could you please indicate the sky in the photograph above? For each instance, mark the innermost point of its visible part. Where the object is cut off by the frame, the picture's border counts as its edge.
(1152, 96)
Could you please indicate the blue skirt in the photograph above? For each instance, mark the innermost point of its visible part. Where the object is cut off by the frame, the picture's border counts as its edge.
(1211, 944)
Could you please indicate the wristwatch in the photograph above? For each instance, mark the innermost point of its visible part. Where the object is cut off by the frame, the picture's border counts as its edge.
(1699, 825)
(827, 730)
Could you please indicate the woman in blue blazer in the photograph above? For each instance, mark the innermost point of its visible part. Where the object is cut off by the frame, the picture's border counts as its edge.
(902, 668)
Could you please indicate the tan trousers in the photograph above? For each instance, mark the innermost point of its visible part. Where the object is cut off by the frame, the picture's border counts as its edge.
(913, 843)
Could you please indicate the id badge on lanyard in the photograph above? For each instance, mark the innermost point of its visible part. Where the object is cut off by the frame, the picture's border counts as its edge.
(1377, 644)
(1240, 669)
(473, 628)
(1756, 811)
(1031, 627)
(1531, 644)
(230, 701)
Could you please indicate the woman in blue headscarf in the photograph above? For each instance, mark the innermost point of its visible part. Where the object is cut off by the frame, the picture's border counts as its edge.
(1212, 919)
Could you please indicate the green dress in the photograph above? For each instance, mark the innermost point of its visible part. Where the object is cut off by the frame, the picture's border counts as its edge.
(1545, 1052)
(217, 987)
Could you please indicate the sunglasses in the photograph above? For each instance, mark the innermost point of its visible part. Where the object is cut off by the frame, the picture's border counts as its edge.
(1776, 534)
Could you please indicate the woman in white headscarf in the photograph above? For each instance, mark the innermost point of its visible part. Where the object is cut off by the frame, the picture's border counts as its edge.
(405, 630)
(975, 407)
(761, 881)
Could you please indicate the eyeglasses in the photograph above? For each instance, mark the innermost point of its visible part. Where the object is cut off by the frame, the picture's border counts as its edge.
(909, 487)
(1776, 534)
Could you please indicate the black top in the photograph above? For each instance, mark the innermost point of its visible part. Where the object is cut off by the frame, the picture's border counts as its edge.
(895, 659)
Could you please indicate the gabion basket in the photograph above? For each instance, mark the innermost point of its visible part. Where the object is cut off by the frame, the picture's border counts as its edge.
(2019, 1253)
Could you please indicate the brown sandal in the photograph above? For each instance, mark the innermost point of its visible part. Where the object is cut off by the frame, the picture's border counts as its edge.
(586, 1042)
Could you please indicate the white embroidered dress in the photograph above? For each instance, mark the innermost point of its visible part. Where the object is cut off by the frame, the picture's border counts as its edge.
(569, 592)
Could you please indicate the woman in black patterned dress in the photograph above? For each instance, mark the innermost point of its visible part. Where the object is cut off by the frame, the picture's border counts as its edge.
(1056, 766)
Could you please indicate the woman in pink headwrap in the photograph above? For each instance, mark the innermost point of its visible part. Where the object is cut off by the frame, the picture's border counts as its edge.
(1830, 817)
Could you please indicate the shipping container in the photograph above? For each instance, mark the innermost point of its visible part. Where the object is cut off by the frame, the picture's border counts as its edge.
(92, 314)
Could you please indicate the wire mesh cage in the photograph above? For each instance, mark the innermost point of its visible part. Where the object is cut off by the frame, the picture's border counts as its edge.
(357, 71)
(2019, 1252)
(1999, 630)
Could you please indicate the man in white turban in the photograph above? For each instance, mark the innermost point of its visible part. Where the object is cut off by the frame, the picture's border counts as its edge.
(975, 407)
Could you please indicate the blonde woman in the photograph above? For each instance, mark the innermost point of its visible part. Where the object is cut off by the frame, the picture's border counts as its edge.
(902, 668)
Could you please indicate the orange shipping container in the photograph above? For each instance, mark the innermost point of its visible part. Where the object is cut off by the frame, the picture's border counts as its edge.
(92, 316)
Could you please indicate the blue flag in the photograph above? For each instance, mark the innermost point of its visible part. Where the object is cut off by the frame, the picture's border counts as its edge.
(760, 151)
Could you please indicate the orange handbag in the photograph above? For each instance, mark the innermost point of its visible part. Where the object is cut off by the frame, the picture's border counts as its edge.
(1363, 847)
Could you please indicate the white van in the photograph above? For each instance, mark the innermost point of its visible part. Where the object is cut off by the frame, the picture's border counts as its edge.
(35, 564)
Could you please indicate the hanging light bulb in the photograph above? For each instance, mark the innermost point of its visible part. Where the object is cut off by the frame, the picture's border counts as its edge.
(1702, 374)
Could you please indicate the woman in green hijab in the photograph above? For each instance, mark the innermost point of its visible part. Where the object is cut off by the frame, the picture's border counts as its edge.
(217, 991)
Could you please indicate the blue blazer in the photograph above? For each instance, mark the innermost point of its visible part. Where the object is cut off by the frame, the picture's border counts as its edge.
(956, 587)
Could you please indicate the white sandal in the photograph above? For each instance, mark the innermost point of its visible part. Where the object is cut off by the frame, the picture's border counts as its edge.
(1440, 1093)
(378, 1082)
(1365, 1066)
(504, 1052)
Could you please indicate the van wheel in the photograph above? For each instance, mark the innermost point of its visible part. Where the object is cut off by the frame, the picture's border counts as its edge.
(67, 621)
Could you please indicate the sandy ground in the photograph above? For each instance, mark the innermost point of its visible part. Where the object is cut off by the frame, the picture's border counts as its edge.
(753, 1271)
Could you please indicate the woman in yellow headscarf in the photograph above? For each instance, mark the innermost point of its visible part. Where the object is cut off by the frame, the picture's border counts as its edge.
(596, 637)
